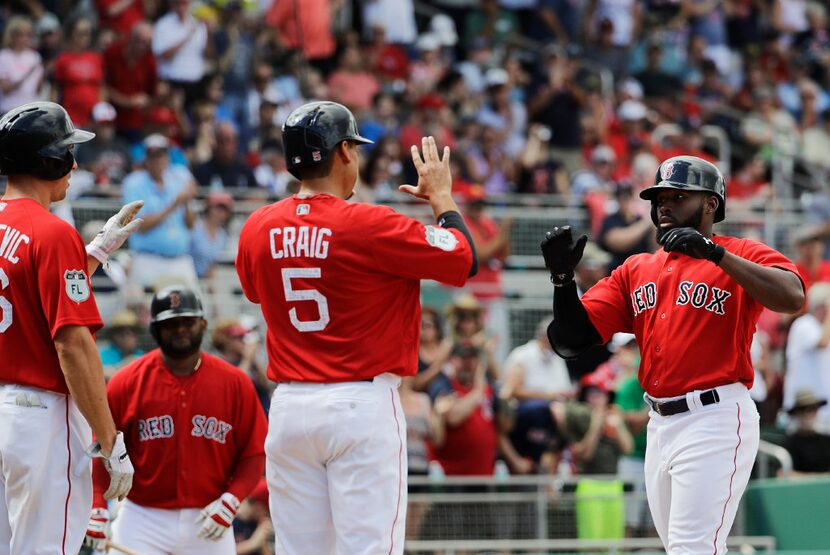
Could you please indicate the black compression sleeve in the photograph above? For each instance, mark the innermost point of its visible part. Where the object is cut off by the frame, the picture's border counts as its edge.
(452, 219)
(571, 331)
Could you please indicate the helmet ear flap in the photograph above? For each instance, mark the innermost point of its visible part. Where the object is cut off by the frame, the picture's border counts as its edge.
(154, 332)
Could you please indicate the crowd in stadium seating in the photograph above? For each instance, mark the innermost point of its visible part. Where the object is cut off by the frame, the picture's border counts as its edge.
(574, 98)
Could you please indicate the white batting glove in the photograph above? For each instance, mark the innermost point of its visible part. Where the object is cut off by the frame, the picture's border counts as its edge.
(118, 465)
(98, 530)
(218, 517)
(115, 232)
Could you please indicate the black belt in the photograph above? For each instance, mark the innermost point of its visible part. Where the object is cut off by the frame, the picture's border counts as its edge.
(678, 406)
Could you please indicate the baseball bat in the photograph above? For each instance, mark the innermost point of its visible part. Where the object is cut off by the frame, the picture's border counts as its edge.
(121, 548)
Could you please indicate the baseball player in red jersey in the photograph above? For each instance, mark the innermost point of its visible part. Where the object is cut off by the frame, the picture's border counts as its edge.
(693, 306)
(196, 430)
(52, 392)
(339, 286)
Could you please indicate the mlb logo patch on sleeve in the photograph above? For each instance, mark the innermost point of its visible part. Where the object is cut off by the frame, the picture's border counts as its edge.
(441, 238)
(77, 286)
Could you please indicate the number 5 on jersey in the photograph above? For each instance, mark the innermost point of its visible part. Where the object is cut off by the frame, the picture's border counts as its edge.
(298, 295)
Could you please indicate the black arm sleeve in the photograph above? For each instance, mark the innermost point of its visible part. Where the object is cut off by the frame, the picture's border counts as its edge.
(452, 219)
(571, 331)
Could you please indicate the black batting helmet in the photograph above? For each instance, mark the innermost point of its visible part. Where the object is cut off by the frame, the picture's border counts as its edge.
(311, 132)
(692, 174)
(35, 139)
(176, 301)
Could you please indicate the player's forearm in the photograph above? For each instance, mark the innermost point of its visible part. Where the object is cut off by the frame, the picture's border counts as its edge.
(246, 475)
(571, 331)
(777, 289)
(92, 264)
(84, 375)
(441, 203)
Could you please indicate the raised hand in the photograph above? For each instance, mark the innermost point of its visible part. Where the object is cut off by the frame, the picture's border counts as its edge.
(562, 254)
(691, 242)
(434, 176)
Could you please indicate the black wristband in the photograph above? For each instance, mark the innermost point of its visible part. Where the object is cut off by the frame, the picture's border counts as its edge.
(717, 254)
(452, 219)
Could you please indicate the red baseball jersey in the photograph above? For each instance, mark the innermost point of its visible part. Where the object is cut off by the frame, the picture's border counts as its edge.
(190, 438)
(339, 285)
(43, 287)
(693, 322)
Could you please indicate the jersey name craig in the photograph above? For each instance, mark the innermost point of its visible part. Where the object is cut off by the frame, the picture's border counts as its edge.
(697, 295)
(159, 427)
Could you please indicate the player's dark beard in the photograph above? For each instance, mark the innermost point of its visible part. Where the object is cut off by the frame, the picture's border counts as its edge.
(693, 221)
(181, 350)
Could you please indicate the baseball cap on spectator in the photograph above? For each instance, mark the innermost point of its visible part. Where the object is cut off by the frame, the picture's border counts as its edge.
(603, 153)
(475, 194)
(48, 23)
(443, 27)
(465, 348)
(103, 112)
(631, 87)
(427, 42)
(430, 101)
(632, 110)
(496, 76)
(806, 400)
(272, 95)
(156, 141)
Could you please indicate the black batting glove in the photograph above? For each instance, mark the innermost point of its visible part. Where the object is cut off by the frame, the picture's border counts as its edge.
(690, 242)
(562, 254)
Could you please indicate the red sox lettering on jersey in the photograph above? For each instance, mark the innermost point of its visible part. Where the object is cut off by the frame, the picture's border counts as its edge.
(698, 295)
(677, 302)
(211, 420)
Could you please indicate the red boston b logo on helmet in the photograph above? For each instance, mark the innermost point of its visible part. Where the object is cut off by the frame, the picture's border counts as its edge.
(667, 170)
(175, 300)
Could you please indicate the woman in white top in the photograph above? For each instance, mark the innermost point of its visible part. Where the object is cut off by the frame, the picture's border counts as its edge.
(21, 68)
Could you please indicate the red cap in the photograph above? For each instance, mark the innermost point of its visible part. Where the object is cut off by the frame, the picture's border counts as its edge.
(431, 102)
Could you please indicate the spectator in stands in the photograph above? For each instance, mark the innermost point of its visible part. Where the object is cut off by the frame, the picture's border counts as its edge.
(556, 101)
(180, 43)
(268, 128)
(808, 355)
(305, 26)
(434, 350)
(209, 239)
(79, 73)
(809, 246)
(466, 322)
(121, 347)
(492, 241)
(271, 174)
(350, 83)
(491, 22)
(120, 15)
(240, 346)
(226, 169)
(815, 143)
(592, 186)
(234, 44)
(594, 426)
(429, 67)
(470, 444)
(107, 156)
(21, 67)
(395, 17)
(749, 187)
(810, 448)
(534, 435)
(503, 112)
(488, 164)
(131, 79)
(627, 231)
(540, 173)
(161, 250)
(766, 121)
(604, 52)
(625, 15)
(49, 41)
(656, 82)
(534, 372)
(388, 61)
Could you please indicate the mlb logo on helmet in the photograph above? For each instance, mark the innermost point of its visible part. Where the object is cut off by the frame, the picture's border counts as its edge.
(296, 160)
(667, 170)
(316, 156)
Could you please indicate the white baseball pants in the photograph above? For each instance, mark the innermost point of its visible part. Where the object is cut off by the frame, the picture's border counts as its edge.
(698, 464)
(151, 531)
(336, 468)
(44, 506)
